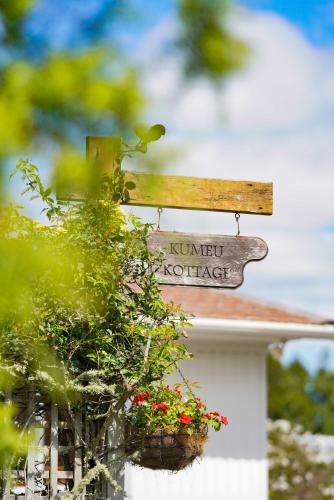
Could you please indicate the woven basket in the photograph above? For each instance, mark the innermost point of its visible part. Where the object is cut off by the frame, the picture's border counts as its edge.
(163, 450)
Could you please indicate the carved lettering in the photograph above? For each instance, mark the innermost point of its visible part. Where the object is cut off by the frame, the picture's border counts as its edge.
(220, 272)
(206, 273)
(173, 249)
(217, 252)
(194, 250)
(166, 269)
(180, 270)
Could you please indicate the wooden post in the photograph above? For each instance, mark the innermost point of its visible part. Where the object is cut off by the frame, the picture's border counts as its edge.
(116, 456)
(30, 469)
(53, 481)
(30, 474)
(6, 496)
(77, 475)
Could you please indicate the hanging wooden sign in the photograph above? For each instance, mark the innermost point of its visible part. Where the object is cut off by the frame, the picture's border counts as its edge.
(204, 260)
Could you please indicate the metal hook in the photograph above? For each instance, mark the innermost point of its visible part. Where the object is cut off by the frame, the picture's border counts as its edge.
(237, 217)
(159, 216)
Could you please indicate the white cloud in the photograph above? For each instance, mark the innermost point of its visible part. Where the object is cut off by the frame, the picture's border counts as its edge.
(288, 81)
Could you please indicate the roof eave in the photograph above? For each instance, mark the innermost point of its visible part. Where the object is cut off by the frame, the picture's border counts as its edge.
(212, 329)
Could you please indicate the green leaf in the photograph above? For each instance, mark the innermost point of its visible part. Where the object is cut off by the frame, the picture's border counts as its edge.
(155, 132)
(149, 134)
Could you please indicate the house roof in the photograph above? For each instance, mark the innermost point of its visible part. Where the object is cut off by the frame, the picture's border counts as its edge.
(227, 304)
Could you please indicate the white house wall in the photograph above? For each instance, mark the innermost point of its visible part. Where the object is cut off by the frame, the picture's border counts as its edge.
(233, 380)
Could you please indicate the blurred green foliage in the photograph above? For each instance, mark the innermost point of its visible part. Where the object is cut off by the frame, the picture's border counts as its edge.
(210, 47)
(13, 441)
(300, 397)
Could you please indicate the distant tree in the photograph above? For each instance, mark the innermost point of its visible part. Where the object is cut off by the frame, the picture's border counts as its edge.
(321, 393)
(300, 397)
(288, 398)
(210, 47)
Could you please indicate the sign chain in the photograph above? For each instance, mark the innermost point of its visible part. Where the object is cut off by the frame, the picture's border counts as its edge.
(237, 217)
(159, 216)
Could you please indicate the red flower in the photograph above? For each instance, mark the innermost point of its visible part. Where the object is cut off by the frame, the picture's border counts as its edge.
(163, 406)
(178, 392)
(167, 387)
(215, 413)
(185, 419)
(224, 420)
(160, 406)
(199, 405)
(140, 398)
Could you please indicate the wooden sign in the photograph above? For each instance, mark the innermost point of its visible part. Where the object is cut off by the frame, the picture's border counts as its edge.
(204, 260)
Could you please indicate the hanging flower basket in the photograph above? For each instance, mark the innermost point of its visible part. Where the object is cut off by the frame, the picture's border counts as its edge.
(164, 450)
(167, 430)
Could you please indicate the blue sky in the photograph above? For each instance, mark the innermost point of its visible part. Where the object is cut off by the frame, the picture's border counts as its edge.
(314, 17)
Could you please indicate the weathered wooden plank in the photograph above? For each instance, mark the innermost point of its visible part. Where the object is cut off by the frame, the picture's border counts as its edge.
(204, 260)
(195, 193)
(62, 474)
(171, 191)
